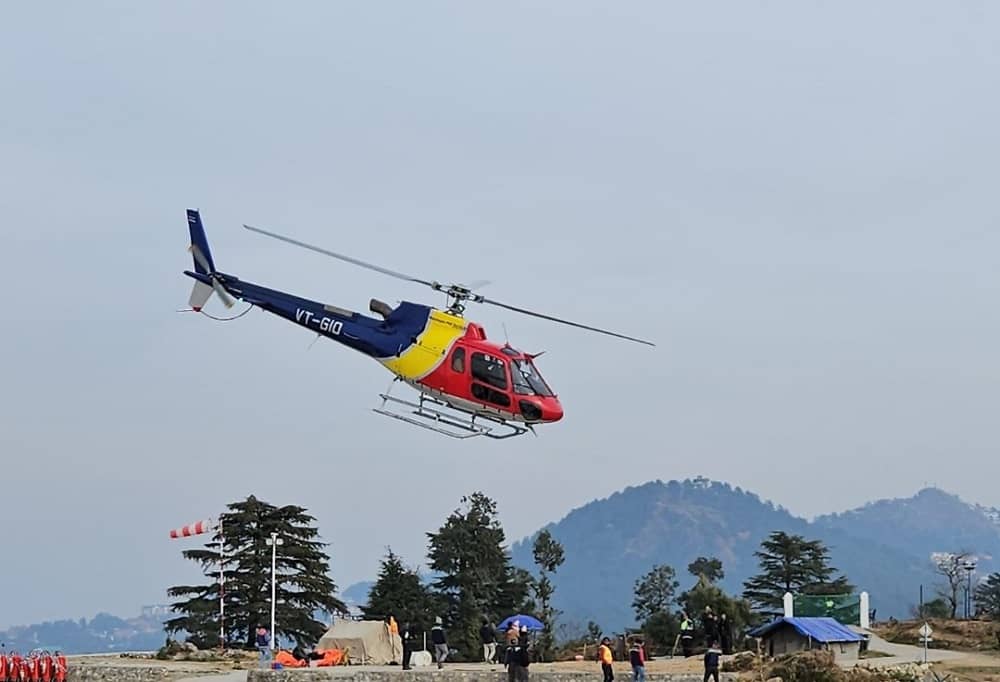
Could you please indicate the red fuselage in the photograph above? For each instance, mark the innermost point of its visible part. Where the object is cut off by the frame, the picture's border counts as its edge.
(481, 375)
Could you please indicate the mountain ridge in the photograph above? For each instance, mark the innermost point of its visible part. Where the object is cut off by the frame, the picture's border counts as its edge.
(883, 547)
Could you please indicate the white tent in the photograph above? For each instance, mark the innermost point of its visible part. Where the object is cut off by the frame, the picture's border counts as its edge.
(367, 642)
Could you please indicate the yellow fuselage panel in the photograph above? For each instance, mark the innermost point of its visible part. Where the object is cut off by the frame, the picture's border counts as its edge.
(433, 344)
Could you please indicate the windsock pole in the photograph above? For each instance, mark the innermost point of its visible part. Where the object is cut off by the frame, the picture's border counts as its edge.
(222, 589)
(200, 528)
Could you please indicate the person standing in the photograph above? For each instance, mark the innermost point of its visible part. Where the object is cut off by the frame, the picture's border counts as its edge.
(637, 657)
(488, 634)
(406, 635)
(710, 626)
(263, 646)
(606, 659)
(712, 662)
(440, 641)
(725, 634)
(687, 635)
(523, 655)
(510, 638)
(517, 657)
(393, 635)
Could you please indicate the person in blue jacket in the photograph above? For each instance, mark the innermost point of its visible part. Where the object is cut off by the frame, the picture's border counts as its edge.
(712, 657)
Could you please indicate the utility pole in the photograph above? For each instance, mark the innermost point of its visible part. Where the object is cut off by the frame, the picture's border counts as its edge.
(274, 541)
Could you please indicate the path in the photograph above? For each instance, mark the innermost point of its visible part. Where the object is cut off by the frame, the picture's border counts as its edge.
(907, 653)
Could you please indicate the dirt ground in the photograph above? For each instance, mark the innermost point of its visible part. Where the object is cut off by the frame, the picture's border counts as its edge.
(178, 669)
(979, 670)
(976, 667)
(965, 635)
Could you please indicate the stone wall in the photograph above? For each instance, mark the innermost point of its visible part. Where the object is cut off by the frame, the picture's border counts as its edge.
(361, 675)
(117, 673)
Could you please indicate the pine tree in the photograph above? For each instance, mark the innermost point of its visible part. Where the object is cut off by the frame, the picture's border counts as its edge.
(790, 563)
(704, 593)
(399, 592)
(654, 592)
(304, 586)
(988, 596)
(549, 556)
(476, 578)
(708, 568)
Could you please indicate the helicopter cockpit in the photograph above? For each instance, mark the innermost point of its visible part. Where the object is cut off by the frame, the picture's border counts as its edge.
(524, 376)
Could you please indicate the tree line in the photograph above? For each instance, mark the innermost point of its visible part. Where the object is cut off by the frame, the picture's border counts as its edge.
(788, 563)
(474, 582)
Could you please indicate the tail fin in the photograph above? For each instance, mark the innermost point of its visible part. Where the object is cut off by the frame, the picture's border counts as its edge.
(203, 265)
(200, 242)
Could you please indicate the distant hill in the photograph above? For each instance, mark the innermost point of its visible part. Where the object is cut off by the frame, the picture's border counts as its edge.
(883, 548)
(103, 633)
(930, 521)
(356, 596)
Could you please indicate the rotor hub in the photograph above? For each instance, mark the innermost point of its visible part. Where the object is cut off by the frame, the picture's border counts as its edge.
(457, 295)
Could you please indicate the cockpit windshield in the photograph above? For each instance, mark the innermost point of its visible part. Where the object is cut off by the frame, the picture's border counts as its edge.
(527, 380)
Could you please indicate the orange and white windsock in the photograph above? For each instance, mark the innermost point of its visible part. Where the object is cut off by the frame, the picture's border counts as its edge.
(197, 528)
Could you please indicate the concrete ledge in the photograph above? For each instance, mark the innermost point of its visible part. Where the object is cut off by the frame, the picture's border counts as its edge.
(359, 674)
(121, 673)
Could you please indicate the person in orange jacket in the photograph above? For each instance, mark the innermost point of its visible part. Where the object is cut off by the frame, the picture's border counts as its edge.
(606, 659)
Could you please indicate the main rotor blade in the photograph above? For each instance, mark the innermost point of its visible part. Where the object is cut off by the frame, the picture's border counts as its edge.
(561, 321)
(346, 259)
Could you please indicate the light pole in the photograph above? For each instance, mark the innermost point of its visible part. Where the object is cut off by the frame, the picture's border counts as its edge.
(274, 541)
(969, 565)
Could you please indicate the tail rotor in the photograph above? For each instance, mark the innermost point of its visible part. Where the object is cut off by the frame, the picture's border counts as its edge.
(199, 258)
(204, 266)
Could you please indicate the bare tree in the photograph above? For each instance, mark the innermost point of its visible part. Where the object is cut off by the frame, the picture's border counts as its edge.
(951, 567)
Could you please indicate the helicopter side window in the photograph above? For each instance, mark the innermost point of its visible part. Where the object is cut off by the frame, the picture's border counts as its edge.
(458, 361)
(490, 395)
(489, 370)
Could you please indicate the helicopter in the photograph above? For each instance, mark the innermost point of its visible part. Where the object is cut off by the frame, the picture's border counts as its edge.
(467, 385)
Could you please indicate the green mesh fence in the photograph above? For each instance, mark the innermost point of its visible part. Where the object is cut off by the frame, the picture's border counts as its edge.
(845, 608)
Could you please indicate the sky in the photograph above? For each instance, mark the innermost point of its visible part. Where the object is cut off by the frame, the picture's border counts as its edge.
(795, 200)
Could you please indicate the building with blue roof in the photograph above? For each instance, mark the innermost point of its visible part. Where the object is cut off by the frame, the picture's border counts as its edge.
(790, 635)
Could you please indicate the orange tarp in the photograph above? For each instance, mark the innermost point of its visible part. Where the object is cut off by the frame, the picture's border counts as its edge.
(331, 657)
(288, 661)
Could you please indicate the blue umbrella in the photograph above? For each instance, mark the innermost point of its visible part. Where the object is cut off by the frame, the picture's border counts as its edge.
(523, 621)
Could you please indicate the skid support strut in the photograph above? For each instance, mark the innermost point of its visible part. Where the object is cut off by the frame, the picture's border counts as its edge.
(446, 419)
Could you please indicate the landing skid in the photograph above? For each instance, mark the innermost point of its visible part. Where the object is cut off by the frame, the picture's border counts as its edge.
(448, 420)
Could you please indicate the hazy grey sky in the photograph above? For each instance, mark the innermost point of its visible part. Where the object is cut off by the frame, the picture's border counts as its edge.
(797, 200)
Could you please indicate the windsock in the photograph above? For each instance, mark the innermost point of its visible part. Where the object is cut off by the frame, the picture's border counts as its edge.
(193, 529)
